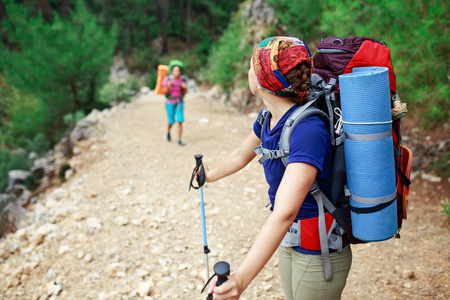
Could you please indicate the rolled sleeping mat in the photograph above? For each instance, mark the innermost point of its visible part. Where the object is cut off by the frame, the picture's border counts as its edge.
(369, 153)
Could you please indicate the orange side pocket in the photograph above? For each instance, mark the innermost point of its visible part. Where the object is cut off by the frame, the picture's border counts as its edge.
(405, 166)
(162, 73)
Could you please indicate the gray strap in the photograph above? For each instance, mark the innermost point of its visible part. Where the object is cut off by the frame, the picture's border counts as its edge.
(270, 154)
(375, 201)
(299, 114)
(340, 139)
(328, 95)
(369, 137)
(334, 240)
(262, 119)
(324, 240)
(258, 150)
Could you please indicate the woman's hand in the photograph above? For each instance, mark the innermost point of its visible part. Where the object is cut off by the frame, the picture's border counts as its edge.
(169, 83)
(197, 174)
(229, 290)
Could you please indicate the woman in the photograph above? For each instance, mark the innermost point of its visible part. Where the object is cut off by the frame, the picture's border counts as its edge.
(280, 71)
(174, 88)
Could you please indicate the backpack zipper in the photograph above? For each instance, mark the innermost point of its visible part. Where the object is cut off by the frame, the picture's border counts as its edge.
(332, 50)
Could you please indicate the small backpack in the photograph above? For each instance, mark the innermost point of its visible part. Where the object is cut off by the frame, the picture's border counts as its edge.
(336, 56)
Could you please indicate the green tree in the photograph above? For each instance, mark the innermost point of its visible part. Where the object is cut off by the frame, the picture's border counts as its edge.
(417, 35)
(62, 62)
(301, 17)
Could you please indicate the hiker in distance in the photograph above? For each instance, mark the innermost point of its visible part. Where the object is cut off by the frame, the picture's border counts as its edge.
(175, 88)
(280, 73)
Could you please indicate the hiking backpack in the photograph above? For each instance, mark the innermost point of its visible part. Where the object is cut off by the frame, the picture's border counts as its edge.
(336, 56)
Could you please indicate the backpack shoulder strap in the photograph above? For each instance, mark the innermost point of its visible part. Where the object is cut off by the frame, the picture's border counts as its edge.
(296, 117)
(262, 119)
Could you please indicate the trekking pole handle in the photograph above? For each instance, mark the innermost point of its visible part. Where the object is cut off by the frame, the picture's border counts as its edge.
(198, 159)
(221, 270)
(201, 172)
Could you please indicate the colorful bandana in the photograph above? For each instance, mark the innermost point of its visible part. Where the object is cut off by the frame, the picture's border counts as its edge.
(276, 56)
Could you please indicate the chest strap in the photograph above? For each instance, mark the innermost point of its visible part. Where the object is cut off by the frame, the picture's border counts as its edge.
(269, 154)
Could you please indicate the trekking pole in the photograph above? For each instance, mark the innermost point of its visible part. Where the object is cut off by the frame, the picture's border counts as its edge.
(201, 182)
(222, 270)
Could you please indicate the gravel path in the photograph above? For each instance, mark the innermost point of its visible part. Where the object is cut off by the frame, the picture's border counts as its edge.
(125, 226)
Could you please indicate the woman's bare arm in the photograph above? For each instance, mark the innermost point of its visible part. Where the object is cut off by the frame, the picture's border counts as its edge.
(297, 180)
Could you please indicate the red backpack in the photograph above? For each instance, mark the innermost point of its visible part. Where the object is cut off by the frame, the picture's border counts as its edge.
(336, 56)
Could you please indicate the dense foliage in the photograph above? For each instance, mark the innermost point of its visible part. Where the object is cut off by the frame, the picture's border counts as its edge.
(56, 55)
(417, 35)
(58, 66)
(56, 58)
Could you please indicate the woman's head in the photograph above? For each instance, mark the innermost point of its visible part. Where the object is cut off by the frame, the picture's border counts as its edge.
(176, 71)
(176, 68)
(283, 67)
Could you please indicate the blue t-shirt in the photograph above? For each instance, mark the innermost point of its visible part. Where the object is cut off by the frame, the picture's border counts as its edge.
(310, 143)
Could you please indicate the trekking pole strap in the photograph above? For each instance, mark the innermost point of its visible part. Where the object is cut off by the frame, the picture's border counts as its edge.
(201, 176)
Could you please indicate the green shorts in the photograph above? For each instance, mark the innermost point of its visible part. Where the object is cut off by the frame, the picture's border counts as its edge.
(303, 278)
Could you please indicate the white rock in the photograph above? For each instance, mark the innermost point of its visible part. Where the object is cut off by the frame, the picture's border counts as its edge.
(53, 289)
(88, 257)
(107, 295)
(115, 268)
(430, 177)
(122, 221)
(142, 273)
(80, 254)
(50, 274)
(144, 90)
(144, 288)
(203, 120)
(127, 190)
(94, 223)
(40, 213)
(63, 249)
(21, 234)
(46, 229)
(60, 193)
(162, 262)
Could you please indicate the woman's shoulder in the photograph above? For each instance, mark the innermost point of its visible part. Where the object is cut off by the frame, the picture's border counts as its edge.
(311, 128)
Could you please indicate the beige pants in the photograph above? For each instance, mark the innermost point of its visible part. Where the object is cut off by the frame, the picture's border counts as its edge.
(302, 274)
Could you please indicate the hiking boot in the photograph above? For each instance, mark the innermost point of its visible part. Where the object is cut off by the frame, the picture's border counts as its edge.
(181, 143)
(168, 136)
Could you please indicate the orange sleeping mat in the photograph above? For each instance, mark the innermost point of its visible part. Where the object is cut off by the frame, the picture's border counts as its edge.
(162, 73)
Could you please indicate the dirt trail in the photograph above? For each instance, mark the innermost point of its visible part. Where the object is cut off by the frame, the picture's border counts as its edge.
(126, 225)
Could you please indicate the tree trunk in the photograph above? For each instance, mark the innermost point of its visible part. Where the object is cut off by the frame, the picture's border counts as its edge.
(148, 37)
(4, 38)
(180, 16)
(65, 8)
(130, 27)
(164, 21)
(188, 24)
(75, 95)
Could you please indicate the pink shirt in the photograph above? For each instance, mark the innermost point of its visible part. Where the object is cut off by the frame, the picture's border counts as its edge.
(175, 89)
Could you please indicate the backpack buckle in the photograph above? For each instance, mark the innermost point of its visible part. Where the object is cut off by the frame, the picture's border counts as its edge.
(330, 86)
(314, 190)
(278, 154)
